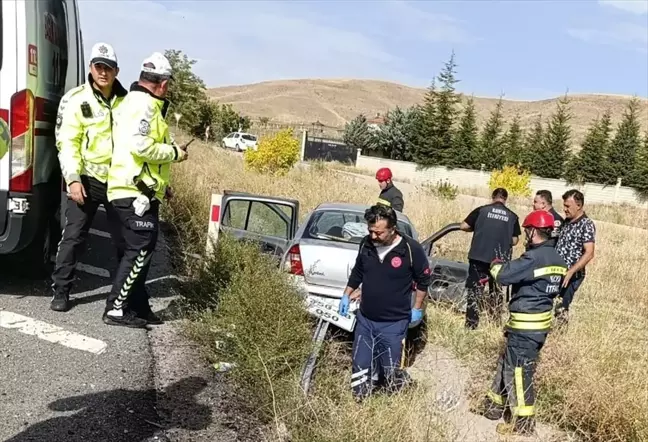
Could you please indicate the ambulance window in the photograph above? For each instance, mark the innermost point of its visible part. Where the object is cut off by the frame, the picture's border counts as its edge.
(56, 37)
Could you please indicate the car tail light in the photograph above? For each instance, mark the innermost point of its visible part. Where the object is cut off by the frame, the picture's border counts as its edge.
(21, 123)
(293, 263)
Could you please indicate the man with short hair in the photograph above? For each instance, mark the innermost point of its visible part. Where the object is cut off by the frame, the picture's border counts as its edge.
(388, 265)
(137, 182)
(576, 245)
(535, 279)
(84, 138)
(496, 230)
(543, 201)
(389, 196)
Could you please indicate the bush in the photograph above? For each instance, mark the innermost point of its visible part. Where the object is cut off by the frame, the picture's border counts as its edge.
(444, 190)
(516, 181)
(276, 155)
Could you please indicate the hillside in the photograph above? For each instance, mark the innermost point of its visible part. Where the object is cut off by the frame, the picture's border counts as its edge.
(334, 102)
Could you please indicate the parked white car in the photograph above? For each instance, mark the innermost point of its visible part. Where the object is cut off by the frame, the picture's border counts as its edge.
(240, 141)
(320, 253)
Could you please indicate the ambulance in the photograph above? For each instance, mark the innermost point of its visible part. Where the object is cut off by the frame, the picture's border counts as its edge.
(41, 58)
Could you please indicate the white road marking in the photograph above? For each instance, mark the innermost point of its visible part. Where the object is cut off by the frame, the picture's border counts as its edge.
(51, 333)
(93, 270)
(100, 233)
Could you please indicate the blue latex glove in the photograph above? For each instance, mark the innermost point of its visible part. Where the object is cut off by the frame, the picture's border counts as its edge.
(417, 314)
(343, 309)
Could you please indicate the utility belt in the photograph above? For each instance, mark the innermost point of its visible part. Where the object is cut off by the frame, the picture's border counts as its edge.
(530, 321)
(143, 202)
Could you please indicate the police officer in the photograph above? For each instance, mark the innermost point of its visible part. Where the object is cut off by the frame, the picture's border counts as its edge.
(496, 230)
(543, 201)
(387, 266)
(84, 138)
(137, 183)
(389, 195)
(5, 138)
(536, 278)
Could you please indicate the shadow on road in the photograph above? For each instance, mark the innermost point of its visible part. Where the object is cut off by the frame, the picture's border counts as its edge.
(121, 416)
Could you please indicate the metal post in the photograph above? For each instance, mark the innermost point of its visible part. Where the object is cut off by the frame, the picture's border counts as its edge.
(309, 368)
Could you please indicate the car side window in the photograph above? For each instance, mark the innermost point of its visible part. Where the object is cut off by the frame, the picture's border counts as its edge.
(259, 217)
(236, 214)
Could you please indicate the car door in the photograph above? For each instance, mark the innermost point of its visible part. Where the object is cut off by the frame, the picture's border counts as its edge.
(268, 221)
(449, 266)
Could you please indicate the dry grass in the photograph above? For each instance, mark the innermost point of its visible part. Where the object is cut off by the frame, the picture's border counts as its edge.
(593, 379)
(334, 102)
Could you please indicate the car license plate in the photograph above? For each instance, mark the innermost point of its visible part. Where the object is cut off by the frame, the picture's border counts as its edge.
(327, 309)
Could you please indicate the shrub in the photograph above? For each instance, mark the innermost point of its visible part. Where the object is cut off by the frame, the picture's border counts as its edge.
(276, 155)
(516, 181)
(445, 190)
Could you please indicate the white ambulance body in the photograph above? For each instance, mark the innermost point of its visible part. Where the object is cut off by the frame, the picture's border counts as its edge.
(41, 58)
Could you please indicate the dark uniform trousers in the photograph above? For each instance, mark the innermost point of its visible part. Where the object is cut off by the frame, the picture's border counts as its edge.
(78, 220)
(476, 300)
(377, 351)
(513, 384)
(140, 235)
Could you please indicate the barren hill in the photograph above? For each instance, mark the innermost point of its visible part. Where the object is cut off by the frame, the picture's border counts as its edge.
(334, 102)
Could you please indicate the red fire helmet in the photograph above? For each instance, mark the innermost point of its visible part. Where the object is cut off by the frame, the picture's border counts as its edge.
(383, 174)
(539, 219)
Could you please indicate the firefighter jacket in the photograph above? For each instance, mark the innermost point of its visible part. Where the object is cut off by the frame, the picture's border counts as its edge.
(84, 131)
(144, 149)
(5, 138)
(535, 279)
(392, 197)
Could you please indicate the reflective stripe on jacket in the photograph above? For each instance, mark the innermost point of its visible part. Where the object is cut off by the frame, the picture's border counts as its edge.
(143, 146)
(5, 138)
(84, 131)
(535, 279)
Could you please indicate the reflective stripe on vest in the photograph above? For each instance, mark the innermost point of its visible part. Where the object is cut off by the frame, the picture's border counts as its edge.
(550, 270)
(384, 202)
(530, 321)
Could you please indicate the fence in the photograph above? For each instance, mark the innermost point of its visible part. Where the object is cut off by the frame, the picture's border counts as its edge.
(327, 149)
(463, 178)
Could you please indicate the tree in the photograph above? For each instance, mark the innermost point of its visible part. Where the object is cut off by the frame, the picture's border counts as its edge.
(590, 164)
(532, 145)
(445, 106)
(491, 146)
(424, 153)
(640, 173)
(623, 148)
(186, 91)
(513, 143)
(357, 134)
(550, 160)
(466, 138)
(392, 138)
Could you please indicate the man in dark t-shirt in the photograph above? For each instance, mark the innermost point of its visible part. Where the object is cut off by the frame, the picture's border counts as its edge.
(496, 229)
(543, 201)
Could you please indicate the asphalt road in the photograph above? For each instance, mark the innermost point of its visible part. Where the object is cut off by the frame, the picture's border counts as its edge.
(82, 381)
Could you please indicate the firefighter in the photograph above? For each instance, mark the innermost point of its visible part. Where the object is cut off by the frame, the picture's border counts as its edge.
(536, 278)
(137, 182)
(388, 264)
(496, 229)
(543, 201)
(5, 139)
(389, 195)
(84, 138)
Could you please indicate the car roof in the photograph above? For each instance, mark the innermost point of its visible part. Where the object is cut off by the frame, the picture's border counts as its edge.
(351, 207)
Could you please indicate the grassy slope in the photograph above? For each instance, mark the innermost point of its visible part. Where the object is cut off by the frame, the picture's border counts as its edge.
(593, 378)
(334, 102)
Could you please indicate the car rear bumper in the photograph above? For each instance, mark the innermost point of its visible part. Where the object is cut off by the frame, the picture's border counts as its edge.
(18, 233)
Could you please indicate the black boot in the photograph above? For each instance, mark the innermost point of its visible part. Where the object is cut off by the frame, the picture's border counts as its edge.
(127, 319)
(150, 317)
(489, 409)
(60, 301)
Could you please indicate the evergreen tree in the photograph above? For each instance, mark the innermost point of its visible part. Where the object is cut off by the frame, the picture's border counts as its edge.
(640, 173)
(623, 148)
(551, 159)
(466, 138)
(532, 145)
(491, 146)
(357, 134)
(392, 138)
(590, 164)
(445, 105)
(513, 143)
(424, 129)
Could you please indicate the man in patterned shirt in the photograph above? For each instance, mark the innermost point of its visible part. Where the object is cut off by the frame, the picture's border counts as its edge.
(576, 246)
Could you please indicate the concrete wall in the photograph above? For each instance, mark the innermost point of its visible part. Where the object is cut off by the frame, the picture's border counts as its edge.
(594, 193)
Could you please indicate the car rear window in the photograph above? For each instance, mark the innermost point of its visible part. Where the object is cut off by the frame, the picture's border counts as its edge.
(342, 226)
(248, 137)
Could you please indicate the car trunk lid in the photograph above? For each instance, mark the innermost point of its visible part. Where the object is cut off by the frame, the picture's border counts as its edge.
(327, 263)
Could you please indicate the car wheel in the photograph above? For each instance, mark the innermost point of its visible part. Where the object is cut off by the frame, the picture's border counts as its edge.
(238, 148)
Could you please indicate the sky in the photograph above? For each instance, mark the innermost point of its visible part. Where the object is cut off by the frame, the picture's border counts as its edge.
(526, 50)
